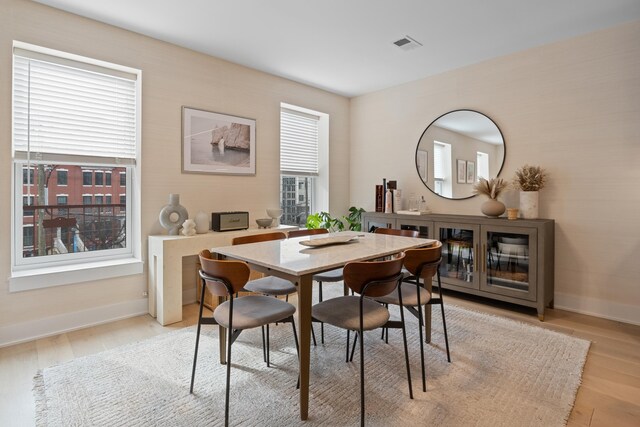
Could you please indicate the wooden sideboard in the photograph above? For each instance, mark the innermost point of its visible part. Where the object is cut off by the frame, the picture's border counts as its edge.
(165, 267)
(497, 258)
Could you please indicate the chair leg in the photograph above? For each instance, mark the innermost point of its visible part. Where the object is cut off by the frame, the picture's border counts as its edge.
(444, 322)
(353, 348)
(226, 401)
(321, 323)
(267, 346)
(406, 351)
(195, 353)
(361, 378)
(424, 377)
(313, 335)
(264, 345)
(346, 358)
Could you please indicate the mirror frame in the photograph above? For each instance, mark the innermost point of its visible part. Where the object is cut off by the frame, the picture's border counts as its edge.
(415, 156)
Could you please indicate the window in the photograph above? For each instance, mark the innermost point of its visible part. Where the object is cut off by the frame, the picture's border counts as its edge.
(442, 176)
(107, 179)
(108, 199)
(99, 199)
(27, 235)
(304, 157)
(123, 199)
(483, 165)
(73, 115)
(27, 176)
(87, 178)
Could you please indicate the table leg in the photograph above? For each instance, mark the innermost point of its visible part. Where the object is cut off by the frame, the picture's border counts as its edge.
(427, 313)
(305, 291)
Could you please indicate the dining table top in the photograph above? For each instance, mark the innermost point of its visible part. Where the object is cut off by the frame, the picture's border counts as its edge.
(297, 256)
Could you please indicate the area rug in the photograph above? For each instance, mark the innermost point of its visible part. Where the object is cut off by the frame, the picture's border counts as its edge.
(503, 373)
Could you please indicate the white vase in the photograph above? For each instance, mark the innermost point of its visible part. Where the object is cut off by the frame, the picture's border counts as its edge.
(202, 223)
(529, 204)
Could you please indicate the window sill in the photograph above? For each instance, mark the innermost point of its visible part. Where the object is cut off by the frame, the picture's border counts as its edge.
(65, 275)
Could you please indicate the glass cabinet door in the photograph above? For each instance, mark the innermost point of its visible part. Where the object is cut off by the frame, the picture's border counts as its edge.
(459, 250)
(509, 260)
(371, 222)
(424, 228)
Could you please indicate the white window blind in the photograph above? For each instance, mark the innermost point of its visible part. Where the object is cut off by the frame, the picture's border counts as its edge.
(298, 143)
(438, 161)
(482, 160)
(68, 108)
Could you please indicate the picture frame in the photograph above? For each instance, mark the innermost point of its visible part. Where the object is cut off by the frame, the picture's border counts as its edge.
(471, 172)
(422, 157)
(462, 171)
(216, 143)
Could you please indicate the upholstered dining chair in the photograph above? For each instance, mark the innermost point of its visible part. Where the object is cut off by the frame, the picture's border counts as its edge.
(361, 312)
(227, 278)
(327, 276)
(422, 264)
(267, 285)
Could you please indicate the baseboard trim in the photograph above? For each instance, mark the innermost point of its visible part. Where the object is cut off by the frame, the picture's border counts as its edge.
(40, 328)
(626, 313)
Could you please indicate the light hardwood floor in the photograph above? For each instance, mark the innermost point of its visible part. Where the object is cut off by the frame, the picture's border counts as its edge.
(609, 394)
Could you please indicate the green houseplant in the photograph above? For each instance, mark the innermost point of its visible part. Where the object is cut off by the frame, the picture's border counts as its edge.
(324, 220)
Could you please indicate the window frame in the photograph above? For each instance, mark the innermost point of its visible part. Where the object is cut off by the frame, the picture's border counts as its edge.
(41, 272)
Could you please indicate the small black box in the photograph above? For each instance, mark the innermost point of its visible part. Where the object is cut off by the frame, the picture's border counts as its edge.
(227, 221)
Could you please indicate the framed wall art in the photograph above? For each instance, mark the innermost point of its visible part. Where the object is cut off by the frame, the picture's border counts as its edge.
(462, 171)
(471, 172)
(217, 143)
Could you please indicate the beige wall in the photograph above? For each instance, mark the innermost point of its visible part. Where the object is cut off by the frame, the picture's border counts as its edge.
(572, 107)
(171, 77)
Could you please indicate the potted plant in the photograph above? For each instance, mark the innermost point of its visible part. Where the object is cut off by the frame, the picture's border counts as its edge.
(529, 180)
(492, 189)
(325, 220)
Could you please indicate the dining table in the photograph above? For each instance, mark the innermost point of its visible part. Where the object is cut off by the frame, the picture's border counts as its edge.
(299, 259)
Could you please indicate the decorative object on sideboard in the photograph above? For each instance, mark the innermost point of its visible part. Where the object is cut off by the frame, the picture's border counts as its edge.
(275, 214)
(512, 213)
(217, 143)
(397, 200)
(264, 222)
(189, 228)
(529, 180)
(173, 215)
(491, 188)
(227, 221)
(202, 222)
(379, 198)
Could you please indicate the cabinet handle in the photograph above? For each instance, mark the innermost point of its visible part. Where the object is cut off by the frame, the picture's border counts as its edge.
(484, 257)
(476, 261)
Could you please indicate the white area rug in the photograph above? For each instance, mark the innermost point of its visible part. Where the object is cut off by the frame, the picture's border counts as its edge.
(503, 373)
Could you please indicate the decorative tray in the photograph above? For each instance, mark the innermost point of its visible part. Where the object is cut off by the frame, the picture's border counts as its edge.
(326, 241)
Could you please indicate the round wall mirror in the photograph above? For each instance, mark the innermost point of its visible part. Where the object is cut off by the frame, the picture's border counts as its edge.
(456, 150)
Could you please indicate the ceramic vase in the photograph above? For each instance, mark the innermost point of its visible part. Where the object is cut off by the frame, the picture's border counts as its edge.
(529, 204)
(492, 208)
(202, 223)
(173, 215)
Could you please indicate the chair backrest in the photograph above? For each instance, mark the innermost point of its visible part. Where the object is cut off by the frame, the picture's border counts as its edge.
(396, 232)
(253, 238)
(427, 258)
(307, 232)
(234, 273)
(359, 274)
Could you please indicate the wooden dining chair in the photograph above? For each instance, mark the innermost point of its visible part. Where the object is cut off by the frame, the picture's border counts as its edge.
(267, 285)
(396, 232)
(331, 276)
(227, 278)
(361, 312)
(422, 264)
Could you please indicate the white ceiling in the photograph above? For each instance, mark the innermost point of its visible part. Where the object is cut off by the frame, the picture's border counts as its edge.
(345, 46)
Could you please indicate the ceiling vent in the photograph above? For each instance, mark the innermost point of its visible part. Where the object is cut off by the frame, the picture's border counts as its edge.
(407, 43)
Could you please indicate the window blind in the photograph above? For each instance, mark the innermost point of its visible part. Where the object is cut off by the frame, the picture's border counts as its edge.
(73, 113)
(438, 161)
(298, 143)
